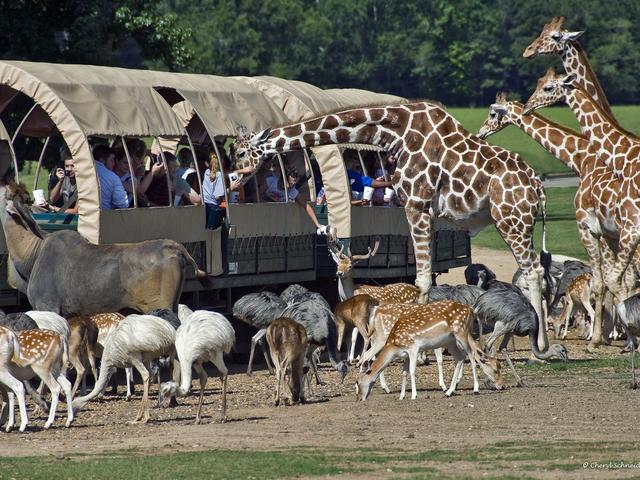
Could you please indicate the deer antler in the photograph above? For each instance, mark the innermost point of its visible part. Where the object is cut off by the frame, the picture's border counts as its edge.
(336, 252)
(369, 254)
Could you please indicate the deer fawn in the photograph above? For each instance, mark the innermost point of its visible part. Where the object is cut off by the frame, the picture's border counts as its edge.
(354, 313)
(444, 324)
(288, 342)
(39, 353)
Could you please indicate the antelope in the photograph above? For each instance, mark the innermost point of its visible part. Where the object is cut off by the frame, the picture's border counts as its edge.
(344, 266)
(30, 353)
(443, 324)
(577, 297)
(288, 343)
(355, 313)
(384, 318)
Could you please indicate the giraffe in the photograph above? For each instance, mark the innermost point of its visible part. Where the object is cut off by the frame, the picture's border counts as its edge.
(618, 150)
(442, 171)
(554, 40)
(596, 200)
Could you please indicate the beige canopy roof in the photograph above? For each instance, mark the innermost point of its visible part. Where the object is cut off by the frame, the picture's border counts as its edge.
(79, 101)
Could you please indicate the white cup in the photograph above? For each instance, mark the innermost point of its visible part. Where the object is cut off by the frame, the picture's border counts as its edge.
(368, 193)
(233, 176)
(38, 196)
(388, 194)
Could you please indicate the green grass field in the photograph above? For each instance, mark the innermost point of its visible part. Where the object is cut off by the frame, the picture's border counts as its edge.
(514, 139)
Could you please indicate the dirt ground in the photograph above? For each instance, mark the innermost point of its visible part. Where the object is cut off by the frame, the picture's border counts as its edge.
(552, 407)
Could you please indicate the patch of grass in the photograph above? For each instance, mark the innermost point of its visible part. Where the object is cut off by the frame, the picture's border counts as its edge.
(562, 232)
(213, 464)
(537, 157)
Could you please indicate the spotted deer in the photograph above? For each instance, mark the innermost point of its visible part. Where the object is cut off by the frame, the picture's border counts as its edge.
(288, 343)
(577, 297)
(443, 324)
(392, 293)
(36, 353)
(384, 318)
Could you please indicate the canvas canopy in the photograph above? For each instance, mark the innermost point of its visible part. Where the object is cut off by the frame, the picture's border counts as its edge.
(79, 101)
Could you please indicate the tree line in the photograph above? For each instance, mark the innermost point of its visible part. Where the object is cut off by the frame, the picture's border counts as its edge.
(458, 52)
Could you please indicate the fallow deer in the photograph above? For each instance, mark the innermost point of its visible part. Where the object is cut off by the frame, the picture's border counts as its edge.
(83, 337)
(384, 318)
(355, 313)
(444, 324)
(41, 353)
(577, 297)
(344, 266)
(288, 343)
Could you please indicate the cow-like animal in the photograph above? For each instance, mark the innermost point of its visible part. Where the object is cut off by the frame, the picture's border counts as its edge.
(66, 274)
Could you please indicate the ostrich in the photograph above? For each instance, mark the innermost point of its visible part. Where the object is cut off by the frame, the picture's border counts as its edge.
(135, 340)
(629, 315)
(18, 322)
(297, 293)
(506, 311)
(203, 336)
(479, 274)
(259, 310)
(183, 312)
(320, 325)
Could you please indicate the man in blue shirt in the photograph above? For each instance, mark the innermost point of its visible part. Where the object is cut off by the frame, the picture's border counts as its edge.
(112, 192)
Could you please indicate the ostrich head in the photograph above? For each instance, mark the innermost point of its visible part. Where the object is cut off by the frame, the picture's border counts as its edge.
(342, 369)
(167, 390)
(559, 351)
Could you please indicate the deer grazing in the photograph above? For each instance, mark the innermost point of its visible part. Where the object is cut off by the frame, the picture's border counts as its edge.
(355, 313)
(384, 318)
(31, 353)
(443, 324)
(288, 343)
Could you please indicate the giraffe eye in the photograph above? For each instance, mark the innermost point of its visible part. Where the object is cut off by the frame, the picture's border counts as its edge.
(556, 37)
(548, 88)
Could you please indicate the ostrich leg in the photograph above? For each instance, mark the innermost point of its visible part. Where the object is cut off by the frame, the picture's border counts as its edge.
(503, 349)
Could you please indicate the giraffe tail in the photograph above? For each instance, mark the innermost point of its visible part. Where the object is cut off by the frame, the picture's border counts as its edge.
(545, 256)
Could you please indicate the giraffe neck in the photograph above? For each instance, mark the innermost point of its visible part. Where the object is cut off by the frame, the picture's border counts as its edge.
(565, 144)
(574, 60)
(606, 137)
(381, 126)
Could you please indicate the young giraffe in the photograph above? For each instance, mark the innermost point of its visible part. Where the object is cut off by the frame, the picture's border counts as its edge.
(596, 200)
(619, 151)
(554, 40)
(442, 171)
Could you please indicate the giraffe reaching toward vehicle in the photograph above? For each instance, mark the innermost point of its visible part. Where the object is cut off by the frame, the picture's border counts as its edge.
(442, 171)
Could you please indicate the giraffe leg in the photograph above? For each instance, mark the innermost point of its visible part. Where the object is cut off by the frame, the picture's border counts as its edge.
(627, 245)
(420, 221)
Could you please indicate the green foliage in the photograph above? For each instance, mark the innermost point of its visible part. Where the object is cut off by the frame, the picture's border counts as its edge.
(460, 53)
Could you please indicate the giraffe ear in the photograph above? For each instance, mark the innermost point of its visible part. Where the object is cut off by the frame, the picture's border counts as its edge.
(501, 97)
(571, 36)
(260, 137)
(500, 109)
(568, 80)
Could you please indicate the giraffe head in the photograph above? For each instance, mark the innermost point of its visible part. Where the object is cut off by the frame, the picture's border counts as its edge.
(552, 40)
(497, 118)
(248, 150)
(551, 88)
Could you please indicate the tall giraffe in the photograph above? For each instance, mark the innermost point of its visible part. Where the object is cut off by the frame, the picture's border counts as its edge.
(595, 200)
(555, 40)
(616, 147)
(442, 171)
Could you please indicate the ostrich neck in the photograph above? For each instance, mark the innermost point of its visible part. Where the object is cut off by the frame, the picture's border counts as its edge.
(552, 137)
